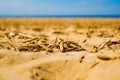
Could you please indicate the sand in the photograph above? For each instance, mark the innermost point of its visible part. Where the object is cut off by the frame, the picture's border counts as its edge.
(59, 49)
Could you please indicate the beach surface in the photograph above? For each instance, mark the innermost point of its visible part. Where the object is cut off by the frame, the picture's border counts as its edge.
(59, 48)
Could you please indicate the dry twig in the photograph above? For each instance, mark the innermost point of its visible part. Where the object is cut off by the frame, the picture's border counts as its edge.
(108, 43)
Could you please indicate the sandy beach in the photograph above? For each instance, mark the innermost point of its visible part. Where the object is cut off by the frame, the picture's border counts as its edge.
(59, 48)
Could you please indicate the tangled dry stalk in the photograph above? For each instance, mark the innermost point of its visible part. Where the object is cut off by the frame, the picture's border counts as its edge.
(43, 44)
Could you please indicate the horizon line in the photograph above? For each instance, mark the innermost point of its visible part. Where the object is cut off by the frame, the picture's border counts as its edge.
(63, 15)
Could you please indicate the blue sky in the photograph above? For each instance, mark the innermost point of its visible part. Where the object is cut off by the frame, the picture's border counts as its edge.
(59, 7)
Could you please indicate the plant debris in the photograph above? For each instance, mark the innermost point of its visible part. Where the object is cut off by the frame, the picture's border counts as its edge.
(38, 44)
(104, 57)
(36, 38)
(108, 43)
(95, 64)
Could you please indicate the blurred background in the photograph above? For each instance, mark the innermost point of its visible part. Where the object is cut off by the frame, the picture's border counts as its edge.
(59, 7)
